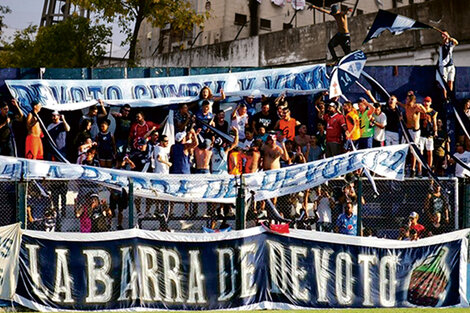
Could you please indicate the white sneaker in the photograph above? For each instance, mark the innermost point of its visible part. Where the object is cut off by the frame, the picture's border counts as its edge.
(185, 225)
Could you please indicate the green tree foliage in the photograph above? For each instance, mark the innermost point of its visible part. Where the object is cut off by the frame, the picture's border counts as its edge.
(73, 42)
(3, 10)
(131, 13)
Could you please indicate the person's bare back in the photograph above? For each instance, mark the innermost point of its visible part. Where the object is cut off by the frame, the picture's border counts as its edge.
(203, 157)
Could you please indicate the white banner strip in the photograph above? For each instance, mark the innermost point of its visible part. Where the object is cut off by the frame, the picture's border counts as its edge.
(386, 161)
(66, 95)
(10, 241)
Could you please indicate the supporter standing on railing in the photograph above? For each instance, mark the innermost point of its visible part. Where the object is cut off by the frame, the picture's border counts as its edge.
(342, 37)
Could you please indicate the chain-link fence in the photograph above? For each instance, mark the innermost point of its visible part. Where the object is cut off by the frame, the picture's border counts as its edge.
(386, 214)
(86, 206)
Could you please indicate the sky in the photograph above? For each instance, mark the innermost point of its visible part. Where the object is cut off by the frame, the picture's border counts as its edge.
(27, 12)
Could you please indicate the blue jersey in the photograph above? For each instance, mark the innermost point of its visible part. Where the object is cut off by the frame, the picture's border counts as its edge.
(347, 225)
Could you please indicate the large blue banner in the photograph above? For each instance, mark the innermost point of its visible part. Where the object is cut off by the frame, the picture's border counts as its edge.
(66, 95)
(251, 269)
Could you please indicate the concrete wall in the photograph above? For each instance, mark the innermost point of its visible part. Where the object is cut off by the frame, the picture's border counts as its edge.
(308, 44)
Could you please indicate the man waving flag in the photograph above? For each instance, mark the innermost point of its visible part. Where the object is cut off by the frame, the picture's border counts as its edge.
(395, 23)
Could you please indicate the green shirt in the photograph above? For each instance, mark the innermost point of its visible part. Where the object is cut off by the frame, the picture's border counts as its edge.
(366, 130)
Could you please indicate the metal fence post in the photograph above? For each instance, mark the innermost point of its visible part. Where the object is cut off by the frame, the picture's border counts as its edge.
(240, 204)
(21, 196)
(131, 203)
(21, 201)
(359, 207)
(466, 203)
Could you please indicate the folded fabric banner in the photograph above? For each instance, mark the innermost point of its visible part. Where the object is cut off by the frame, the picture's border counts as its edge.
(67, 95)
(137, 270)
(392, 22)
(385, 161)
(10, 241)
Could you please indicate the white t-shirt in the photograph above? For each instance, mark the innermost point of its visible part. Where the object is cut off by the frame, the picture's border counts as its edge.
(324, 210)
(459, 170)
(379, 133)
(164, 154)
(240, 122)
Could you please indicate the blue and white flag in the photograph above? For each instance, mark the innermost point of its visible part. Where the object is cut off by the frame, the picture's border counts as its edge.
(386, 161)
(347, 72)
(68, 95)
(392, 22)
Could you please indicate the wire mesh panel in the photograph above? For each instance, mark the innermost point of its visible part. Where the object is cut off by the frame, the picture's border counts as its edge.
(153, 214)
(86, 206)
(383, 215)
(8, 201)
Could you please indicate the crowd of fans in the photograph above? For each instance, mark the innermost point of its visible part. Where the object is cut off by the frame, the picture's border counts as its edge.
(259, 134)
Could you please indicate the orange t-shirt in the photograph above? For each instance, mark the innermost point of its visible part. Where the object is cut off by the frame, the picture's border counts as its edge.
(288, 128)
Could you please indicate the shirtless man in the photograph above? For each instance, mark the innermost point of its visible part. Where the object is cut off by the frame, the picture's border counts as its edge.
(413, 112)
(253, 157)
(342, 37)
(33, 146)
(202, 156)
(302, 139)
(272, 154)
